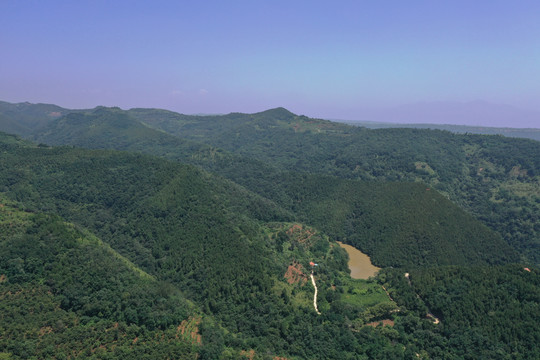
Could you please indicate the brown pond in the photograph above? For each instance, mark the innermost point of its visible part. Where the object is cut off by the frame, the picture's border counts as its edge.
(359, 263)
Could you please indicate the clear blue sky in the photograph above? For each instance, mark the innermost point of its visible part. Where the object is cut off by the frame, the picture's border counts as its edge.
(319, 58)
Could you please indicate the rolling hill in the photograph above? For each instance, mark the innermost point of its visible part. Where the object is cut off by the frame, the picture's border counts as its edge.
(185, 244)
(492, 177)
(24, 118)
(349, 210)
(66, 293)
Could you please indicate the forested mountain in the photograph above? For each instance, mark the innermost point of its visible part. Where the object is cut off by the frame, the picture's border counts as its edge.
(67, 294)
(492, 177)
(186, 245)
(494, 306)
(24, 118)
(184, 227)
(396, 223)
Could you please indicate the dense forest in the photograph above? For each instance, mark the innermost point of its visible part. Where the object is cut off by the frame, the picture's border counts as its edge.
(492, 177)
(484, 312)
(195, 240)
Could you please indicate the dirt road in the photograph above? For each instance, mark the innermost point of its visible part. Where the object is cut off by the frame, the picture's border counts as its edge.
(315, 296)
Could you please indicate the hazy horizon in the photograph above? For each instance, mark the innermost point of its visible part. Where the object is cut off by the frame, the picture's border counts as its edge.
(348, 60)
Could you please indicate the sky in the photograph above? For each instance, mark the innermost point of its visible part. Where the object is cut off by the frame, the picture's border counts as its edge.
(326, 59)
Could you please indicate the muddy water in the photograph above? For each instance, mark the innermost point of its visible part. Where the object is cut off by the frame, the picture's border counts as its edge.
(359, 263)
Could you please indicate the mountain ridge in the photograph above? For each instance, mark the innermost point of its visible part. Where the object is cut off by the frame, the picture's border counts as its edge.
(234, 232)
(238, 146)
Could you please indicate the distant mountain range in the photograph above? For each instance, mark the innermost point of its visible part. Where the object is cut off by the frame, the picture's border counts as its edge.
(528, 133)
(451, 115)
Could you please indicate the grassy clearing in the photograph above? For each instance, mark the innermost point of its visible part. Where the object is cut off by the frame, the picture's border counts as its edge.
(364, 293)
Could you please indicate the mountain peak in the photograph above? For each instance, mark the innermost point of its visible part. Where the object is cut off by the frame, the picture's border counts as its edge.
(279, 113)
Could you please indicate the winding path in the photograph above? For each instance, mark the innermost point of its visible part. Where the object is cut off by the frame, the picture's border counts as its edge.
(429, 315)
(315, 296)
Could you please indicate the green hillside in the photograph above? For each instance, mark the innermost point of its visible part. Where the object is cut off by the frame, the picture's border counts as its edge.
(391, 222)
(494, 178)
(495, 306)
(207, 237)
(206, 254)
(68, 295)
(368, 215)
(104, 128)
(25, 118)
(109, 128)
(397, 224)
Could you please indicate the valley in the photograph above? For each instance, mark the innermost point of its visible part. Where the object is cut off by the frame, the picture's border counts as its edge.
(151, 234)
